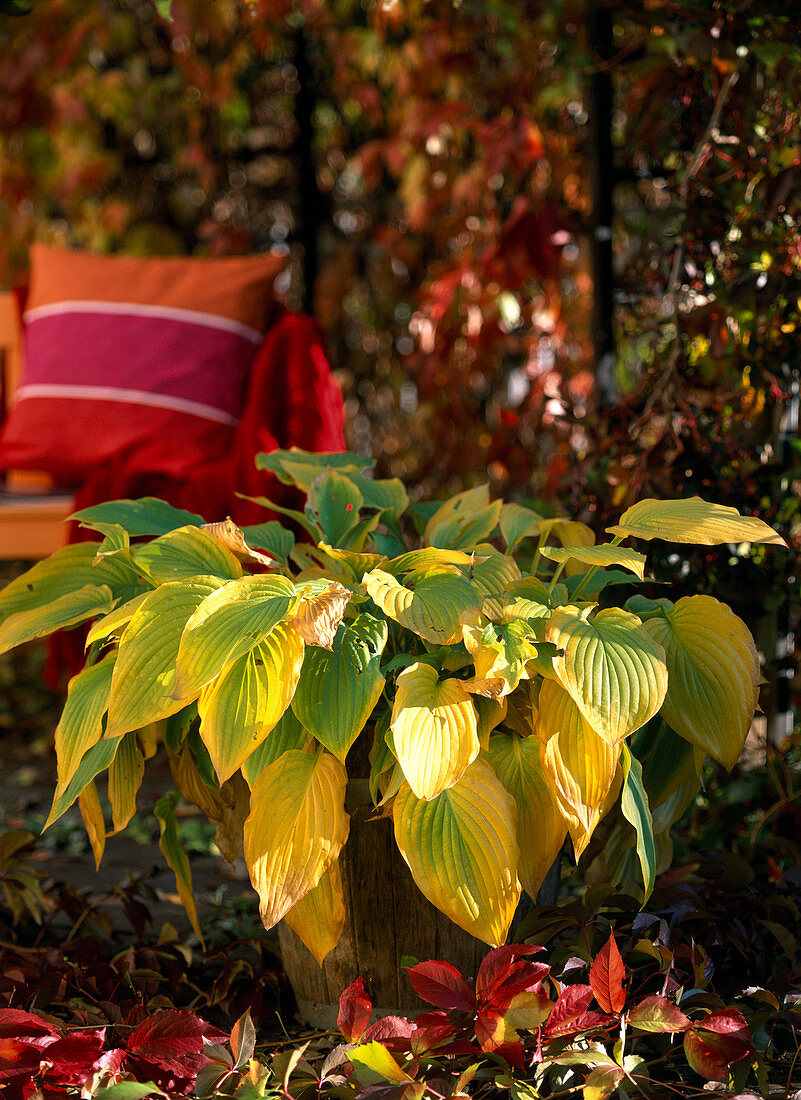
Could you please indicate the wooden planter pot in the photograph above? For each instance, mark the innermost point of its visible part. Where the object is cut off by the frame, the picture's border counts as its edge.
(386, 918)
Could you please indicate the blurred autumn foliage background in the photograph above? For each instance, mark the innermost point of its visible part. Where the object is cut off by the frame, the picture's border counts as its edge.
(431, 167)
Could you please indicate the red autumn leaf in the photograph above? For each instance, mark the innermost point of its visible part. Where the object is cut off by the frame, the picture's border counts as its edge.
(658, 1014)
(19, 1024)
(569, 1015)
(173, 1040)
(710, 1054)
(355, 1009)
(497, 965)
(495, 1037)
(608, 977)
(726, 1021)
(72, 1056)
(392, 1031)
(18, 1059)
(442, 985)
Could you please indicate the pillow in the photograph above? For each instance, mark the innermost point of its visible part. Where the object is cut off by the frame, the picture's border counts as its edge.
(141, 360)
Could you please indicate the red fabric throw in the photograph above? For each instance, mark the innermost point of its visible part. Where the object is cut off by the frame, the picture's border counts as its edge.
(292, 401)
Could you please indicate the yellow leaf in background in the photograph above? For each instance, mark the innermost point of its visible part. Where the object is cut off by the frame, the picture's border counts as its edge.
(462, 851)
(613, 669)
(579, 764)
(296, 828)
(434, 725)
(92, 814)
(319, 917)
(692, 520)
(713, 674)
(125, 774)
(541, 827)
(432, 609)
(320, 613)
(240, 707)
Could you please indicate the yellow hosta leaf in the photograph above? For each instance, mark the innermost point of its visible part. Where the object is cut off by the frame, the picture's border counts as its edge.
(240, 707)
(417, 561)
(599, 556)
(518, 523)
(92, 814)
(529, 599)
(190, 783)
(113, 624)
(491, 573)
(579, 764)
(693, 521)
(464, 520)
(612, 668)
(501, 654)
(125, 774)
(184, 553)
(462, 851)
(541, 828)
(432, 609)
(465, 504)
(319, 917)
(713, 674)
(65, 611)
(356, 564)
(295, 830)
(320, 613)
(434, 725)
(81, 723)
(571, 532)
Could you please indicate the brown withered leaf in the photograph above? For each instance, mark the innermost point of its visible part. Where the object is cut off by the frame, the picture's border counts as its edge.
(229, 838)
(226, 532)
(319, 616)
(190, 783)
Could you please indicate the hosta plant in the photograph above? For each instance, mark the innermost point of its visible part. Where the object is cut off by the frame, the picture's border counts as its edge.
(463, 643)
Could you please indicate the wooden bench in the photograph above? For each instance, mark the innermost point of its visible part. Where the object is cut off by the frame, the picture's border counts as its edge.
(32, 513)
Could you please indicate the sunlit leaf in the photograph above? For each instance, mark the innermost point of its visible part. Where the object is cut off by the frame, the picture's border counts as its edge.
(462, 851)
(491, 573)
(65, 611)
(185, 553)
(333, 505)
(434, 730)
(692, 520)
(113, 624)
(319, 917)
(518, 523)
(432, 609)
(287, 734)
(94, 760)
(320, 612)
(634, 804)
(92, 814)
(226, 532)
(598, 556)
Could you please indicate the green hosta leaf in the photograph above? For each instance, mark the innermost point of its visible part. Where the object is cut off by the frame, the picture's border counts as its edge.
(634, 804)
(272, 537)
(612, 668)
(461, 525)
(290, 513)
(177, 859)
(141, 690)
(333, 506)
(147, 516)
(491, 573)
(94, 761)
(240, 707)
(713, 674)
(530, 600)
(67, 570)
(356, 564)
(287, 734)
(579, 763)
(125, 775)
(692, 520)
(338, 690)
(541, 827)
(592, 588)
(297, 467)
(434, 726)
(432, 610)
(598, 556)
(229, 623)
(296, 828)
(462, 851)
(81, 723)
(646, 609)
(64, 611)
(518, 523)
(387, 495)
(186, 553)
(115, 538)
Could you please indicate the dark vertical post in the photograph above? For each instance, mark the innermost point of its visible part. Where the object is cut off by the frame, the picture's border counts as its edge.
(602, 175)
(308, 192)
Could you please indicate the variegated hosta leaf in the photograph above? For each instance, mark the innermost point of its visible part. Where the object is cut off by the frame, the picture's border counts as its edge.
(692, 520)
(434, 726)
(240, 707)
(320, 612)
(81, 723)
(529, 599)
(713, 674)
(356, 564)
(501, 654)
(598, 556)
(518, 523)
(287, 734)
(491, 573)
(541, 827)
(226, 532)
(228, 624)
(65, 611)
(432, 609)
(295, 830)
(580, 765)
(337, 690)
(612, 668)
(125, 775)
(462, 851)
(187, 552)
(141, 690)
(319, 917)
